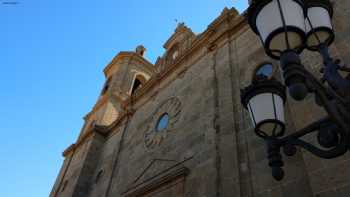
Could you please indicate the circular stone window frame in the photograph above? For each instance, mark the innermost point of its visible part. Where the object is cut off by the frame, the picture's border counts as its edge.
(152, 137)
(273, 72)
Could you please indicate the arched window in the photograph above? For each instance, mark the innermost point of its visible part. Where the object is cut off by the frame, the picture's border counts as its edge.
(138, 83)
(264, 71)
(173, 53)
(106, 86)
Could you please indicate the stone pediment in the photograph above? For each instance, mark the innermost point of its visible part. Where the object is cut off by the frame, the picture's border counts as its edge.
(182, 32)
(176, 45)
(156, 174)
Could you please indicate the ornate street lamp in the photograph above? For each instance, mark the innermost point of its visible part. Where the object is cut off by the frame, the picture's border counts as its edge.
(280, 25)
(265, 100)
(286, 27)
(318, 23)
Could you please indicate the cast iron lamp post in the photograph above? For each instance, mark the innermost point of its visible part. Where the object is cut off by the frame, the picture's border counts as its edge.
(286, 27)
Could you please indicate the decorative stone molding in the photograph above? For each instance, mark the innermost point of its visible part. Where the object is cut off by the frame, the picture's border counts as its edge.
(127, 54)
(172, 107)
(173, 174)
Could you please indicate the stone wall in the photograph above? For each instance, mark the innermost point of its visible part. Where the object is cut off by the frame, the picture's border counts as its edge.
(209, 148)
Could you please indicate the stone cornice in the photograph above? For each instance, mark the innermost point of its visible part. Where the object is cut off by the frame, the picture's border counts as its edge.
(124, 54)
(101, 101)
(76, 145)
(102, 130)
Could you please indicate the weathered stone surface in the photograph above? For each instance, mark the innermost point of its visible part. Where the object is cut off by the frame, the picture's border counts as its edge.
(211, 134)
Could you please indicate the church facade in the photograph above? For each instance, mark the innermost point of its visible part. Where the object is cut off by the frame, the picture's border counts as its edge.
(177, 128)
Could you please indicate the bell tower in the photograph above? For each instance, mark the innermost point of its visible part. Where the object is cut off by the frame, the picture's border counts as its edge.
(125, 75)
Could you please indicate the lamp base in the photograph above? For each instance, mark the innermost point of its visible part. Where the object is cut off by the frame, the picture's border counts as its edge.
(275, 159)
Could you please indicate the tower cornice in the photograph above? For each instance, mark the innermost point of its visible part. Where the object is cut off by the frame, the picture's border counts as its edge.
(127, 54)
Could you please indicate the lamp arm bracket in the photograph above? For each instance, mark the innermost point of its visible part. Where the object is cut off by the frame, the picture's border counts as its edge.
(331, 74)
(289, 142)
(344, 69)
(337, 151)
(306, 130)
(334, 104)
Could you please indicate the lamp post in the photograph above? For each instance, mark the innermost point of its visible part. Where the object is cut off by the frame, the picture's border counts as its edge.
(286, 28)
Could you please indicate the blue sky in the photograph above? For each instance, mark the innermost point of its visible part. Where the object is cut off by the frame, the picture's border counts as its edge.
(52, 53)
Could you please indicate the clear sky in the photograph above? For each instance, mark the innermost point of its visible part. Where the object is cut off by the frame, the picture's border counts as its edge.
(52, 53)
